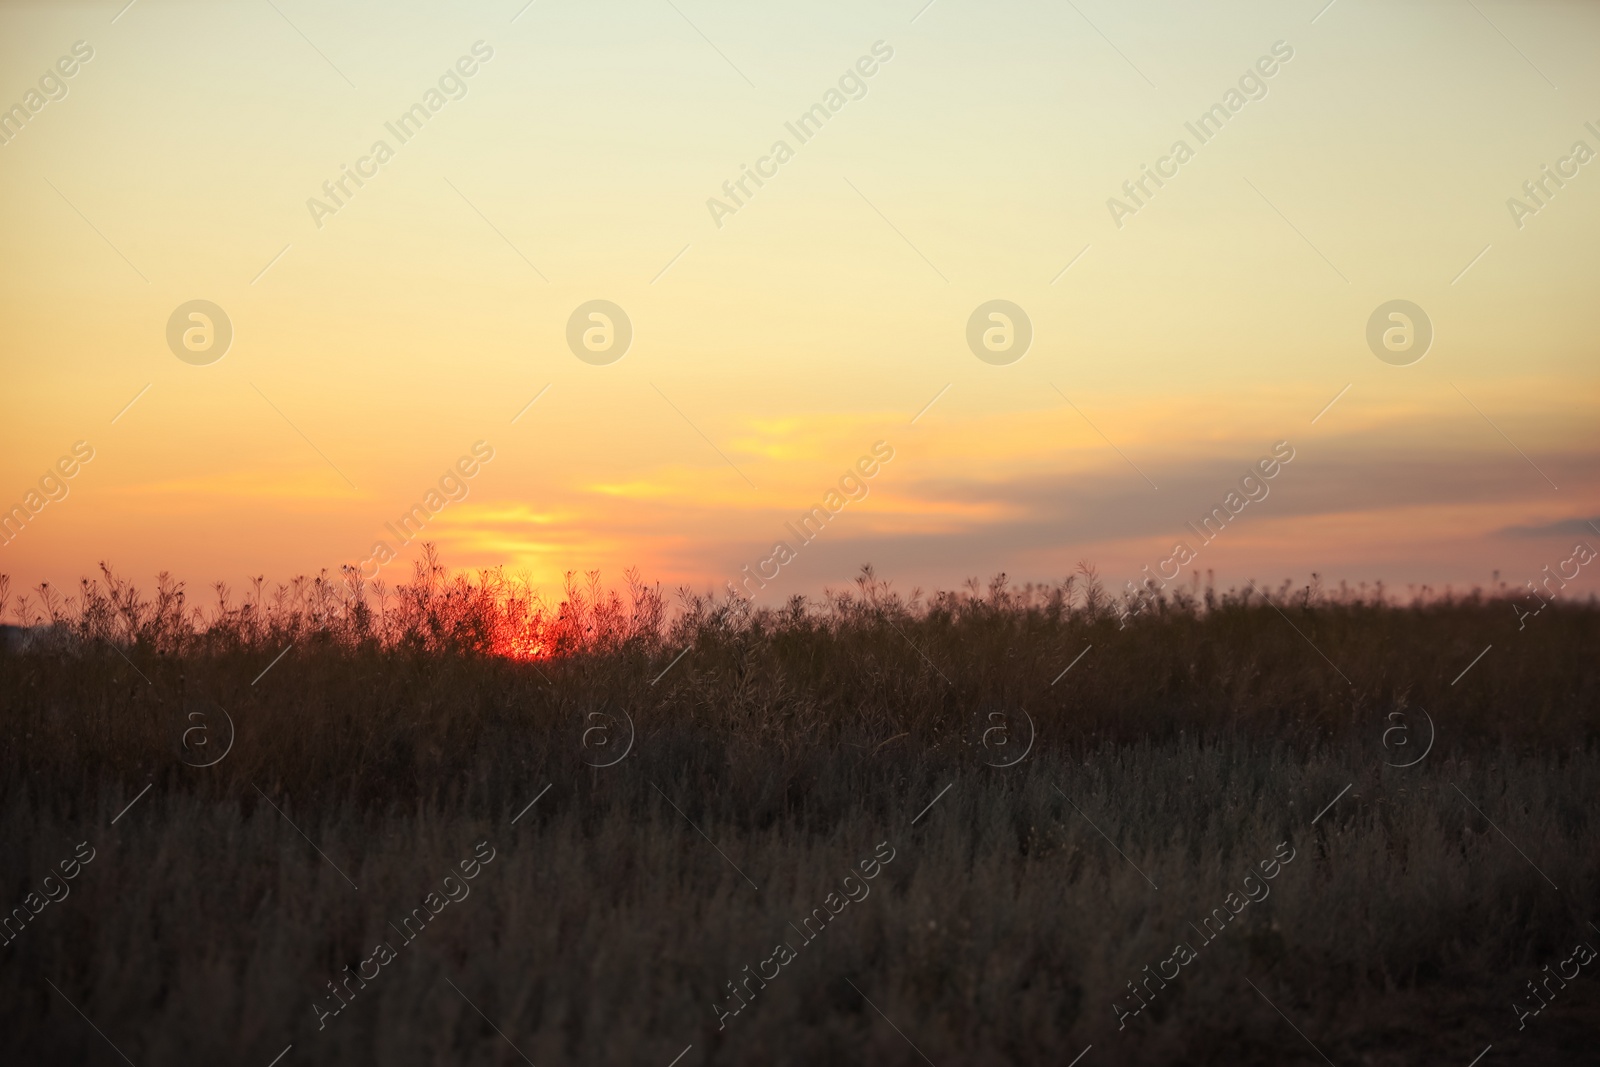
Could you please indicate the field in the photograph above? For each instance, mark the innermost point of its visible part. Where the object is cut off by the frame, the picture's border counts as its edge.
(965, 828)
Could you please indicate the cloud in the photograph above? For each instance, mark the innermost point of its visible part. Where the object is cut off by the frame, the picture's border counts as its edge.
(1561, 528)
(1339, 500)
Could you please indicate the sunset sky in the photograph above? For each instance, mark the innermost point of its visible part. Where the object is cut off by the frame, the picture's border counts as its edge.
(777, 340)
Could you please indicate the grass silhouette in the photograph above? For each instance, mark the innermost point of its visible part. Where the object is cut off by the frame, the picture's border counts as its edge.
(773, 747)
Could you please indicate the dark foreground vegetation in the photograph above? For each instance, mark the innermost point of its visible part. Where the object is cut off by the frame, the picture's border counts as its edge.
(1050, 836)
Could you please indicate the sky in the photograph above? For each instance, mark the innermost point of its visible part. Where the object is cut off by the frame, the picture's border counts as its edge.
(385, 338)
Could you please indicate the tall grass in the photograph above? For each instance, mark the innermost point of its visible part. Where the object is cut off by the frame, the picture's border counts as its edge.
(402, 726)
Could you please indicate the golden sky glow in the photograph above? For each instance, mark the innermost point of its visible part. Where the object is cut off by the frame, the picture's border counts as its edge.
(776, 340)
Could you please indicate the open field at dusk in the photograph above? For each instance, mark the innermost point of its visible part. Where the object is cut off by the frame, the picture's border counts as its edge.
(687, 420)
